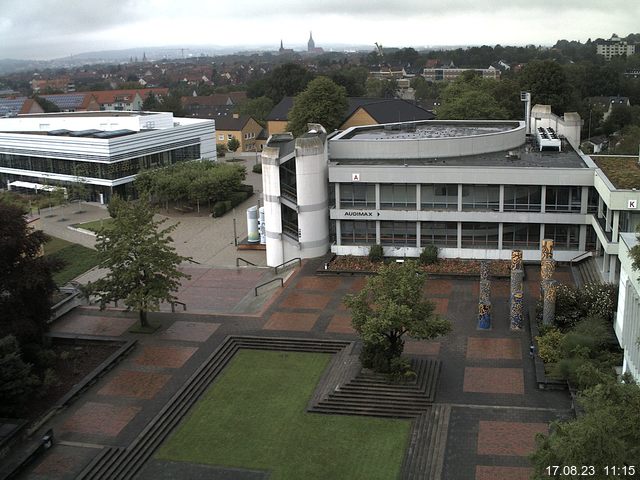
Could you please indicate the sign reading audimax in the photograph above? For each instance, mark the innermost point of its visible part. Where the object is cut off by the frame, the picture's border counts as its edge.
(361, 213)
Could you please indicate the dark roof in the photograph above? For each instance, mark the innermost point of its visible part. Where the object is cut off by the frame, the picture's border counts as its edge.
(395, 110)
(383, 110)
(262, 135)
(213, 111)
(232, 123)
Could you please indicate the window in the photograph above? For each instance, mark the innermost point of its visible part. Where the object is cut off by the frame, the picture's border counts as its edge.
(440, 234)
(221, 138)
(480, 235)
(398, 234)
(229, 136)
(592, 201)
(563, 199)
(354, 232)
(398, 196)
(439, 197)
(565, 237)
(480, 197)
(357, 195)
(289, 222)
(520, 235)
(522, 198)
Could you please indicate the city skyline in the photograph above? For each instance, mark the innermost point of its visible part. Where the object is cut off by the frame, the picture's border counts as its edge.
(47, 29)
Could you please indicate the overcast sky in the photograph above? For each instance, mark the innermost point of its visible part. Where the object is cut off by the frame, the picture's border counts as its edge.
(45, 29)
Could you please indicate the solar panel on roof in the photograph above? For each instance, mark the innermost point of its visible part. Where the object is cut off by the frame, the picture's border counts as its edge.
(84, 133)
(65, 101)
(113, 133)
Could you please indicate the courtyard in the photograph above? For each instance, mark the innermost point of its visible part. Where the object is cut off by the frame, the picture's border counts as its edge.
(249, 421)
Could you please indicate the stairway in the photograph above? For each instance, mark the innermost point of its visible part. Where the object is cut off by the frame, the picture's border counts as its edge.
(586, 272)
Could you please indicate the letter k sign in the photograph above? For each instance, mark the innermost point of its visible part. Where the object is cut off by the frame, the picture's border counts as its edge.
(632, 204)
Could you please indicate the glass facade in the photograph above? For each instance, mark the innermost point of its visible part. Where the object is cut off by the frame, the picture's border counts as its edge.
(354, 232)
(288, 185)
(565, 237)
(563, 199)
(522, 198)
(358, 195)
(398, 196)
(289, 221)
(479, 235)
(398, 234)
(521, 235)
(440, 234)
(481, 197)
(104, 170)
(439, 197)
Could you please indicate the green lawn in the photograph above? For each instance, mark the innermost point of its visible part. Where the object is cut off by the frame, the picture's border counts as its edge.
(78, 259)
(96, 224)
(254, 417)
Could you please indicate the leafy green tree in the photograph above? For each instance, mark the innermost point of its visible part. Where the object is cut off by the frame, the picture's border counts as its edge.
(629, 142)
(285, 81)
(233, 145)
(607, 434)
(470, 97)
(426, 90)
(151, 103)
(548, 84)
(321, 102)
(47, 105)
(26, 280)
(142, 262)
(258, 108)
(381, 88)
(391, 305)
(16, 380)
(353, 79)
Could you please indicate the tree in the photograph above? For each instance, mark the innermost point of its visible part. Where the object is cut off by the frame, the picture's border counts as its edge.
(47, 105)
(284, 81)
(258, 108)
(381, 88)
(353, 79)
(16, 380)
(142, 263)
(321, 102)
(389, 306)
(635, 251)
(607, 434)
(547, 82)
(151, 103)
(233, 144)
(471, 98)
(26, 281)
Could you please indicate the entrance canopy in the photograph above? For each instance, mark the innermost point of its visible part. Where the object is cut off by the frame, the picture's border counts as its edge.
(35, 186)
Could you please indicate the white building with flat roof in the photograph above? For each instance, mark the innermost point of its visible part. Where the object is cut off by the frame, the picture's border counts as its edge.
(104, 150)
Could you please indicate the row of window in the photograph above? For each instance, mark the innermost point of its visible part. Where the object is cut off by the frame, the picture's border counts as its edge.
(517, 198)
(109, 171)
(445, 234)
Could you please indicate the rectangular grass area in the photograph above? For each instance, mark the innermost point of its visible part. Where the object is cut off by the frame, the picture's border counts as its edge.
(96, 225)
(77, 259)
(253, 416)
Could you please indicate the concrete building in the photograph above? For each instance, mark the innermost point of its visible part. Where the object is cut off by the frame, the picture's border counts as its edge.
(627, 322)
(475, 189)
(104, 150)
(448, 74)
(614, 47)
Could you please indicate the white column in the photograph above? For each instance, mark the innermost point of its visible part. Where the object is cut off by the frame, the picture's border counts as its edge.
(543, 200)
(615, 226)
(272, 212)
(501, 203)
(584, 200)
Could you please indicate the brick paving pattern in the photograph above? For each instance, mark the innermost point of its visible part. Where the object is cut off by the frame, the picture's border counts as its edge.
(306, 300)
(164, 357)
(484, 472)
(442, 305)
(421, 347)
(494, 348)
(100, 419)
(340, 324)
(190, 331)
(325, 284)
(494, 380)
(508, 438)
(438, 287)
(295, 322)
(127, 383)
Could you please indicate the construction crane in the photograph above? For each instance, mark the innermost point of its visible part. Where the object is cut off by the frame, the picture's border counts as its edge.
(379, 49)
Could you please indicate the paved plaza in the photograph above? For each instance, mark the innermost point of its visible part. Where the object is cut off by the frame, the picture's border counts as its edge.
(487, 376)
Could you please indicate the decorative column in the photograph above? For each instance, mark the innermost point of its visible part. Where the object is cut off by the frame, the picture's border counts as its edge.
(516, 311)
(517, 290)
(484, 302)
(547, 264)
(549, 305)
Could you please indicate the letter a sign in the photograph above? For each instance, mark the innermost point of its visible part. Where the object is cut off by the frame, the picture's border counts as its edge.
(355, 177)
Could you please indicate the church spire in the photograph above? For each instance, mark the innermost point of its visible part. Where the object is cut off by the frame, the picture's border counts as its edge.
(311, 44)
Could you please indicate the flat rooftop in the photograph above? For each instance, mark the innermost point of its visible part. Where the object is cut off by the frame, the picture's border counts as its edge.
(97, 113)
(429, 129)
(623, 172)
(525, 156)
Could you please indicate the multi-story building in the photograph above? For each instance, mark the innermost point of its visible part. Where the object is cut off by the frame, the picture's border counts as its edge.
(475, 189)
(104, 150)
(614, 47)
(447, 74)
